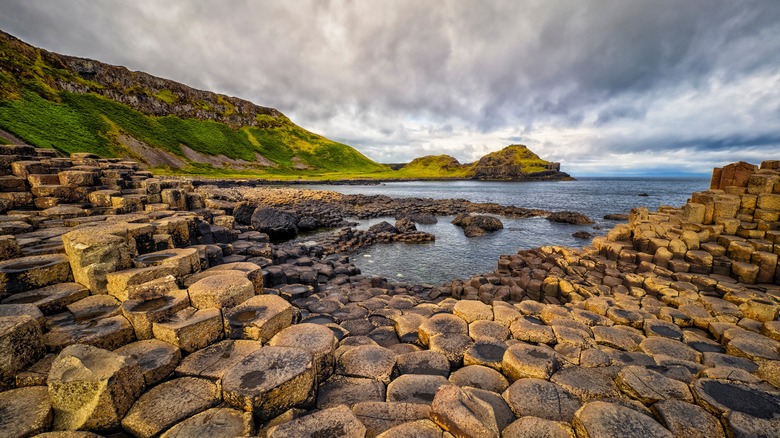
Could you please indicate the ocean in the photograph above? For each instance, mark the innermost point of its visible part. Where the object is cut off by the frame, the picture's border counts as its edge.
(453, 256)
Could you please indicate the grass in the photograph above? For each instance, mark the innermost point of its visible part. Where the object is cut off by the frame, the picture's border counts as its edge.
(34, 108)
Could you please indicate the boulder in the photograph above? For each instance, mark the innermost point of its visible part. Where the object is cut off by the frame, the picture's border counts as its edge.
(382, 227)
(569, 217)
(279, 225)
(92, 389)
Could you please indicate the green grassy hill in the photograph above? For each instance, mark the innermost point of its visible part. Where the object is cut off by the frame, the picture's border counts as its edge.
(46, 102)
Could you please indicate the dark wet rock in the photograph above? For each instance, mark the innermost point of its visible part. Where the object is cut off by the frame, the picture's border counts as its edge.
(278, 224)
(382, 227)
(569, 217)
(477, 225)
(582, 235)
(405, 225)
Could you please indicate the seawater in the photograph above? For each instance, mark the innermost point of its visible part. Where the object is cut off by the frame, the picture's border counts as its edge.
(453, 256)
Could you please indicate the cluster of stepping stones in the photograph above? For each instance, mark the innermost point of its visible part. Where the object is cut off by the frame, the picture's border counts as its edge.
(137, 306)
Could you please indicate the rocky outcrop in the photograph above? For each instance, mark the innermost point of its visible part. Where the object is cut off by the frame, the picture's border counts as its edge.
(477, 225)
(516, 163)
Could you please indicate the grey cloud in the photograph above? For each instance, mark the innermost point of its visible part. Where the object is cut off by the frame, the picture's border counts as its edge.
(397, 79)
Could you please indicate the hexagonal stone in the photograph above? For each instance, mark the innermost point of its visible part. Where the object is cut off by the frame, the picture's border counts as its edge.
(25, 411)
(21, 345)
(407, 326)
(212, 362)
(32, 272)
(442, 323)
(50, 299)
(649, 386)
(753, 346)
(504, 415)
(269, 381)
(530, 329)
(537, 427)
(341, 390)
(124, 284)
(485, 351)
(259, 318)
(226, 289)
(169, 403)
(524, 360)
(214, 422)
(108, 333)
(190, 329)
(542, 399)
(314, 338)
(416, 429)
(183, 260)
(489, 329)
(463, 414)
(451, 345)
(414, 388)
(332, 422)
(142, 314)
(423, 362)
(749, 410)
(665, 329)
(157, 359)
(597, 419)
(689, 420)
(370, 361)
(481, 377)
(91, 388)
(472, 310)
(381, 416)
(587, 383)
(668, 347)
(617, 337)
(625, 317)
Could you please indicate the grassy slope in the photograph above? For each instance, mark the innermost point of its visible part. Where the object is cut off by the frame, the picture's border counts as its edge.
(33, 109)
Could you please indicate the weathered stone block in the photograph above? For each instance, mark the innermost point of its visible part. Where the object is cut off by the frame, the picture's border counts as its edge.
(21, 345)
(124, 284)
(258, 318)
(190, 329)
(226, 289)
(92, 389)
(142, 314)
(32, 272)
(93, 255)
(270, 381)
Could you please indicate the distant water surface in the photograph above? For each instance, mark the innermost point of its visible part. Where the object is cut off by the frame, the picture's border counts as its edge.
(453, 256)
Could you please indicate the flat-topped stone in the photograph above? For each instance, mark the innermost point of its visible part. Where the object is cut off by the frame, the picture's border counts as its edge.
(221, 290)
(597, 419)
(463, 414)
(332, 422)
(214, 422)
(169, 403)
(190, 329)
(314, 338)
(649, 386)
(32, 272)
(525, 360)
(342, 390)
(533, 426)
(442, 323)
(481, 377)
(157, 359)
(213, 361)
(269, 381)
(423, 362)
(369, 361)
(414, 388)
(259, 318)
(686, 419)
(378, 417)
(50, 299)
(542, 399)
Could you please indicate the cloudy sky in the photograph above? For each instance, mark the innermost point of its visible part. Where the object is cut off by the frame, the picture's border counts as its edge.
(605, 87)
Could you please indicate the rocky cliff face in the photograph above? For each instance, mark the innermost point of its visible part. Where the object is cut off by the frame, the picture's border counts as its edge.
(157, 96)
